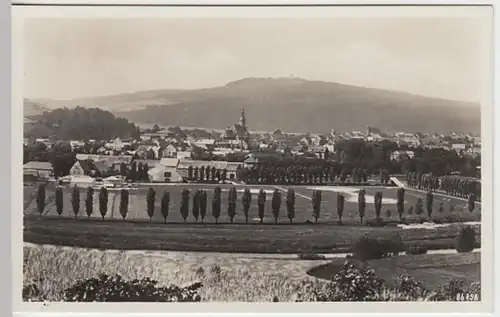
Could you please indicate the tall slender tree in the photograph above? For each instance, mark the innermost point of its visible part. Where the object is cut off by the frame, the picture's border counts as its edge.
(59, 201)
(150, 202)
(89, 201)
(231, 204)
(216, 200)
(103, 201)
(124, 198)
(290, 204)
(247, 200)
(185, 204)
(401, 202)
(261, 202)
(316, 202)
(361, 204)
(340, 206)
(203, 205)
(40, 199)
(429, 203)
(196, 205)
(378, 204)
(165, 205)
(75, 201)
(472, 202)
(276, 204)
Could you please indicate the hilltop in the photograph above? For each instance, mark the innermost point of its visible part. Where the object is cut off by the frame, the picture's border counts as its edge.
(291, 104)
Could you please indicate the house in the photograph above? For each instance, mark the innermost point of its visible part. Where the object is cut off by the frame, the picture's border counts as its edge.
(184, 155)
(111, 161)
(38, 170)
(232, 168)
(87, 168)
(400, 155)
(474, 151)
(458, 147)
(165, 172)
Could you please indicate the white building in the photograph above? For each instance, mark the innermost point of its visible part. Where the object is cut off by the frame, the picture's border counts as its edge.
(42, 170)
(165, 172)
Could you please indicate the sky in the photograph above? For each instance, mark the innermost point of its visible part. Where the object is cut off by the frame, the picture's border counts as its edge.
(71, 58)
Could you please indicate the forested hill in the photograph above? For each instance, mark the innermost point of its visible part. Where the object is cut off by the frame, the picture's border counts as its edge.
(291, 104)
(80, 124)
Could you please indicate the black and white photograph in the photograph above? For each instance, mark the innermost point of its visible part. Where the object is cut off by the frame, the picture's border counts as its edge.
(217, 155)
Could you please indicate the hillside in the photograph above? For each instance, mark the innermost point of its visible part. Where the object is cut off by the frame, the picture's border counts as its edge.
(79, 124)
(293, 105)
(33, 108)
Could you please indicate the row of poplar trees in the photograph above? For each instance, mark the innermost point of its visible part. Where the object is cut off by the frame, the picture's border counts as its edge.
(200, 203)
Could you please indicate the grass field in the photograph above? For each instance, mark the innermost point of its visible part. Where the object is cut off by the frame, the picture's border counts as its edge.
(434, 269)
(240, 278)
(303, 206)
(225, 277)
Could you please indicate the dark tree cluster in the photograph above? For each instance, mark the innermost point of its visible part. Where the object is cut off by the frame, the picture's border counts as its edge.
(82, 124)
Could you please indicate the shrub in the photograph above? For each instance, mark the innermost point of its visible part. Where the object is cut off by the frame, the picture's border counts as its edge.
(416, 249)
(311, 256)
(407, 288)
(370, 248)
(419, 209)
(466, 240)
(388, 213)
(410, 210)
(106, 288)
(351, 284)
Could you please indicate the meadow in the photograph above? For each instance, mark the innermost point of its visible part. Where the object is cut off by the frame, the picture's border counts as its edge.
(225, 277)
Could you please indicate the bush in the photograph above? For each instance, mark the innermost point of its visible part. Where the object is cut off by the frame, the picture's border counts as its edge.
(466, 240)
(351, 284)
(369, 248)
(106, 288)
(416, 249)
(311, 256)
(377, 222)
(407, 288)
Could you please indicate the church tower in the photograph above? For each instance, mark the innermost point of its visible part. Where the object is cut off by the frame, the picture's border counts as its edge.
(243, 121)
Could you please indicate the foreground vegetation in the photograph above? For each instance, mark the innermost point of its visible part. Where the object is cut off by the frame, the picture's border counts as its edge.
(56, 274)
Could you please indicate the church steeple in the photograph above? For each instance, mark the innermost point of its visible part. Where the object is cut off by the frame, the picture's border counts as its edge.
(243, 121)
